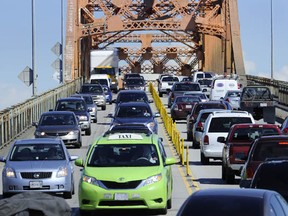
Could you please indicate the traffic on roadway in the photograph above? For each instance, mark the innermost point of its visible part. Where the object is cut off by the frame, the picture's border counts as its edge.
(127, 163)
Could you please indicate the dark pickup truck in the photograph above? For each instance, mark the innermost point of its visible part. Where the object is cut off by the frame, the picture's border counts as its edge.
(258, 101)
(237, 145)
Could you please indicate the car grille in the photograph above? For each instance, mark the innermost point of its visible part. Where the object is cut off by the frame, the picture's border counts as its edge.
(57, 134)
(36, 175)
(122, 203)
(125, 185)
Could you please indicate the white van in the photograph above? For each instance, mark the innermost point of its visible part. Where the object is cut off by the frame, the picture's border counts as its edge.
(102, 79)
(219, 88)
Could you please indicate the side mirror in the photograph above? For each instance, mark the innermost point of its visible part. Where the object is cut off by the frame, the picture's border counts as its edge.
(204, 90)
(150, 101)
(199, 128)
(35, 124)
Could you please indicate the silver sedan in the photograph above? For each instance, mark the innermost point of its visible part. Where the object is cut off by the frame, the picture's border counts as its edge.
(40, 164)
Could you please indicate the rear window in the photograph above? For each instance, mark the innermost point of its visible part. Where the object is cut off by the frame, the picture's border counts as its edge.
(223, 124)
(234, 205)
(127, 97)
(209, 106)
(187, 87)
(170, 79)
(272, 149)
(242, 134)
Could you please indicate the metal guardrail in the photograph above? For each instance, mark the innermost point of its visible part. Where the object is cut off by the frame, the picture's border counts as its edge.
(15, 120)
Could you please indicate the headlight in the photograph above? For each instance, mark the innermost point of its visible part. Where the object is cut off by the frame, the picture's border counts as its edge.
(73, 132)
(83, 118)
(113, 82)
(40, 133)
(62, 172)
(153, 179)
(93, 109)
(9, 173)
(90, 180)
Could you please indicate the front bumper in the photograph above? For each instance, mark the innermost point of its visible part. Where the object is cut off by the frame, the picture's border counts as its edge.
(92, 197)
(50, 185)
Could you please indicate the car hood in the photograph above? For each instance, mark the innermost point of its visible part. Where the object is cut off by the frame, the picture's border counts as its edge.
(37, 165)
(124, 173)
(132, 120)
(57, 128)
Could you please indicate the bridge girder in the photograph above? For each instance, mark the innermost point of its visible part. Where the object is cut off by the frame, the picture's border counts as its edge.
(203, 26)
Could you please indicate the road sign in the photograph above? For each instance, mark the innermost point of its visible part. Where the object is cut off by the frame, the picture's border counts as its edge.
(57, 49)
(57, 65)
(26, 76)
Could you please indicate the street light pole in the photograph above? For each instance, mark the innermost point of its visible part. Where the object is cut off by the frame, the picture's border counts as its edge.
(34, 83)
(62, 54)
(272, 62)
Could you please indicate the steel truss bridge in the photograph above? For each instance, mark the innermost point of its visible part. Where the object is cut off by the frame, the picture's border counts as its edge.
(172, 36)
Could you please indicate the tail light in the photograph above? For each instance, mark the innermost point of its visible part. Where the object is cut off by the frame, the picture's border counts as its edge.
(231, 155)
(199, 124)
(285, 131)
(239, 86)
(206, 140)
(249, 173)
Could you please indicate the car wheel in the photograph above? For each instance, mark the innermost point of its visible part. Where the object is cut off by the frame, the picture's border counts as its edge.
(103, 108)
(169, 204)
(160, 94)
(88, 131)
(163, 211)
(68, 195)
(95, 120)
(189, 136)
(230, 176)
(223, 172)
(204, 160)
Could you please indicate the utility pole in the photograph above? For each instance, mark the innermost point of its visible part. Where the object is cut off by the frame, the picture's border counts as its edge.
(34, 84)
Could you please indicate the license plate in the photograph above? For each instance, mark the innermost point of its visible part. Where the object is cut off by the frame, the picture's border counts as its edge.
(263, 104)
(188, 106)
(121, 196)
(36, 184)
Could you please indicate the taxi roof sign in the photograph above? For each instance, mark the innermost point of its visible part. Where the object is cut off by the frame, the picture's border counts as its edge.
(125, 136)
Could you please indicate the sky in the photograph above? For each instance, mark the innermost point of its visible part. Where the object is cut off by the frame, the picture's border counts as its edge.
(16, 43)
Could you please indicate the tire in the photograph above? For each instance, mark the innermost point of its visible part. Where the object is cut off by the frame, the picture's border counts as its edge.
(160, 94)
(95, 120)
(88, 131)
(204, 160)
(223, 176)
(169, 204)
(230, 176)
(68, 195)
(103, 108)
(163, 211)
(189, 136)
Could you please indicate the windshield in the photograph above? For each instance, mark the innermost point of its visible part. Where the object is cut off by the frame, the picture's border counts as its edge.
(110, 71)
(187, 87)
(34, 152)
(70, 105)
(57, 119)
(128, 155)
(91, 89)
